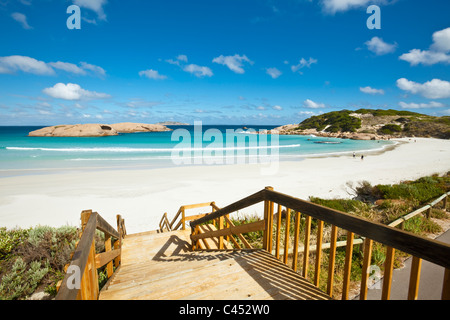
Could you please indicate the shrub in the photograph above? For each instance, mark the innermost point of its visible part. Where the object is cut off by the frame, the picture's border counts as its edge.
(22, 280)
(390, 129)
(10, 239)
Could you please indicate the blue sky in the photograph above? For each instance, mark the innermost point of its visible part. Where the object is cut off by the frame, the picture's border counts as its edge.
(222, 62)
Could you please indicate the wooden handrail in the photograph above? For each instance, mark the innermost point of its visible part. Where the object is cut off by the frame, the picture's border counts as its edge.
(410, 215)
(238, 205)
(82, 282)
(428, 249)
(394, 239)
(164, 223)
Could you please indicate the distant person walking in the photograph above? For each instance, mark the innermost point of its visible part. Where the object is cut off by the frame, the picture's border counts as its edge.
(362, 157)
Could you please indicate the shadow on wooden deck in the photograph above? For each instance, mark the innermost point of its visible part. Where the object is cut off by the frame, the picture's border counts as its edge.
(275, 278)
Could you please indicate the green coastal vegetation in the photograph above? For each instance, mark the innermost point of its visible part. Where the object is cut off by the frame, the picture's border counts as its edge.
(33, 259)
(383, 122)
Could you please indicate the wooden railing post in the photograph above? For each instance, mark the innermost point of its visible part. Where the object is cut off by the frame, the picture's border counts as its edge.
(89, 281)
(446, 286)
(388, 269)
(366, 268)
(277, 238)
(414, 278)
(331, 260)
(347, 265)
(286, 235)
(183, 219)
(268, 220)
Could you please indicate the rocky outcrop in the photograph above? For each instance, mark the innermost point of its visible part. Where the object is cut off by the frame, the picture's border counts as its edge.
(292, 129)
(96, 130)
(129, 127)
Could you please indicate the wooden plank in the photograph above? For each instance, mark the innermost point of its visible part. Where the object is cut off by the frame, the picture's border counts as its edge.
(265, 244)
(286, 235)
(347, 265)
(269, 231)
(296, 240)
(197, 205)
(105, 227)
(249, 227)
(238, 205)
(277, 238)
(388, 270)
(431, 250)
(175, 218)
(240, 236)
(108, 245)
(195, 217)
(331, 260)
(79, 260)
(414, 278)
(106, 257)
(318, 252)
(366, 268)
(174, 274)
(306, 247)
(446, 285)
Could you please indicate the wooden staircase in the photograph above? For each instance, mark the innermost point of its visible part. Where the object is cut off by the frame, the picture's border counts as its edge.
(158, 265)
(213, 260)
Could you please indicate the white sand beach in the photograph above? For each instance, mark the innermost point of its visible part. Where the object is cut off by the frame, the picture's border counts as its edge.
(141, 196)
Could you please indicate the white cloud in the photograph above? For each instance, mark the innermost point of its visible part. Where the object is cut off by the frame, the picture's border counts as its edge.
(434, 89)
(234, 63)
(279, 108)
(94, 5)
(72, 91)
(438, 53)
(96, 69)
(152, 74)
(333, 6)
(370, 90)
(379, 47)
(441, 40)
(12, 64)
(303, 63)
(22, 19)
(273, 72)
(312, 105)
(426, 57)
(198, 71)
(182, 57)
(412, 105)
(68, 67)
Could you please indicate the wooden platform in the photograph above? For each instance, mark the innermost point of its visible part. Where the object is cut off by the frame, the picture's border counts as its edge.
(162, 266)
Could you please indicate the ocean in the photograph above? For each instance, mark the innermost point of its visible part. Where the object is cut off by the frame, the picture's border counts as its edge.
(185, 145)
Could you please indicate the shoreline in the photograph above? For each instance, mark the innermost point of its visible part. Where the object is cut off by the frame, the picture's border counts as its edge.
(136, 164)
(142, 195)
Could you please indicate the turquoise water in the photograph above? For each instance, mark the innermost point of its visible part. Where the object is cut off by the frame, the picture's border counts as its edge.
(186, 145)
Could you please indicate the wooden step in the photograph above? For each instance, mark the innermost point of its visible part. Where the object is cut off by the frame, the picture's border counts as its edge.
(162, 266)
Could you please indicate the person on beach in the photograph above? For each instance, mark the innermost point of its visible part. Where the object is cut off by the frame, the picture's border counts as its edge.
(362, 157)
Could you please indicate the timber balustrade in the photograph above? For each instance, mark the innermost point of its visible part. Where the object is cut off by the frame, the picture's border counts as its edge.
(164, 224)
(350, 226)
(81, 281)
